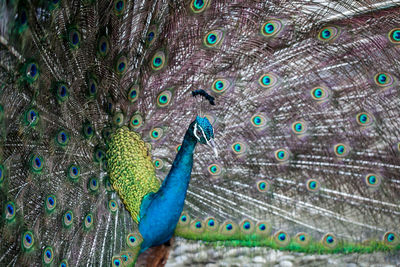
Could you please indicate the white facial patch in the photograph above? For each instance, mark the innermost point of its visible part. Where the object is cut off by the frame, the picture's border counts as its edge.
(210, 142)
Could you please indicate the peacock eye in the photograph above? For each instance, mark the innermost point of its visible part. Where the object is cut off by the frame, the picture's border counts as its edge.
(373, 180)
(158, 61)
(103, 46)
(31, 117)
(282, 238)
(9, 211)
(156, 133)
(121, 65)
(320, 94)
(271, 27)
(312, 185)
(213, 38)
(50, 203)
(267, 80)
(150, 36)
(28, 240)
(383, 79)
(119, 7)
(239, 148)
(198, 6)
(74, 38)
(394, 36)
(133, 93)
(32, 71)
(220, 85)
(73, 172)
(68, 219)
(281, 155)
(164, 98)
(118, 119)
(391, 239)
(262, 186)
(258, 121)
(341, 150)
(88, 130)
(329, 240)
(364, 119)
(158, 164)
(88, 222)
(214, 169)
(92, 88)
(36, 163)
(136, 121)
(299, 127)
(62, 92)
(131, 240)
(93, 184)
(328, 33)
(302, 238)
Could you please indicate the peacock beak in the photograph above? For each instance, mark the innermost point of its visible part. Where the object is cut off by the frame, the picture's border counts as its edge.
(212, 144)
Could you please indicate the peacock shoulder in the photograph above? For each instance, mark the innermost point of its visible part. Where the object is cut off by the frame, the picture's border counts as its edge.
(131, 170)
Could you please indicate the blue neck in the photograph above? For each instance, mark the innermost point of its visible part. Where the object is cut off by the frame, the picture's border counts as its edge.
(160, 212)
(177, 181)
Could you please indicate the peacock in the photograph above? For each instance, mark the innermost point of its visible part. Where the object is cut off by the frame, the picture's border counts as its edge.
(242, 123)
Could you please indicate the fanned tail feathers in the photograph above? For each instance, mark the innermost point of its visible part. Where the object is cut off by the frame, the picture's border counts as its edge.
(306, 121)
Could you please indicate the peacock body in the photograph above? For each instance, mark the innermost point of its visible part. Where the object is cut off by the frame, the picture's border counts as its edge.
(98, 127)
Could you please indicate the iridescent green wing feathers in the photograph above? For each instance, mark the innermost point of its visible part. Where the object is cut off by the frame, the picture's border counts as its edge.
(130, 169)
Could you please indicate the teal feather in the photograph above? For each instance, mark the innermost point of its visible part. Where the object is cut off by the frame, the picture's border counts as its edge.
(306, 125)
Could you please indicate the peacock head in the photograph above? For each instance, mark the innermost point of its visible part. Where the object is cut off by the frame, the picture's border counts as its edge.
(204, 132)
